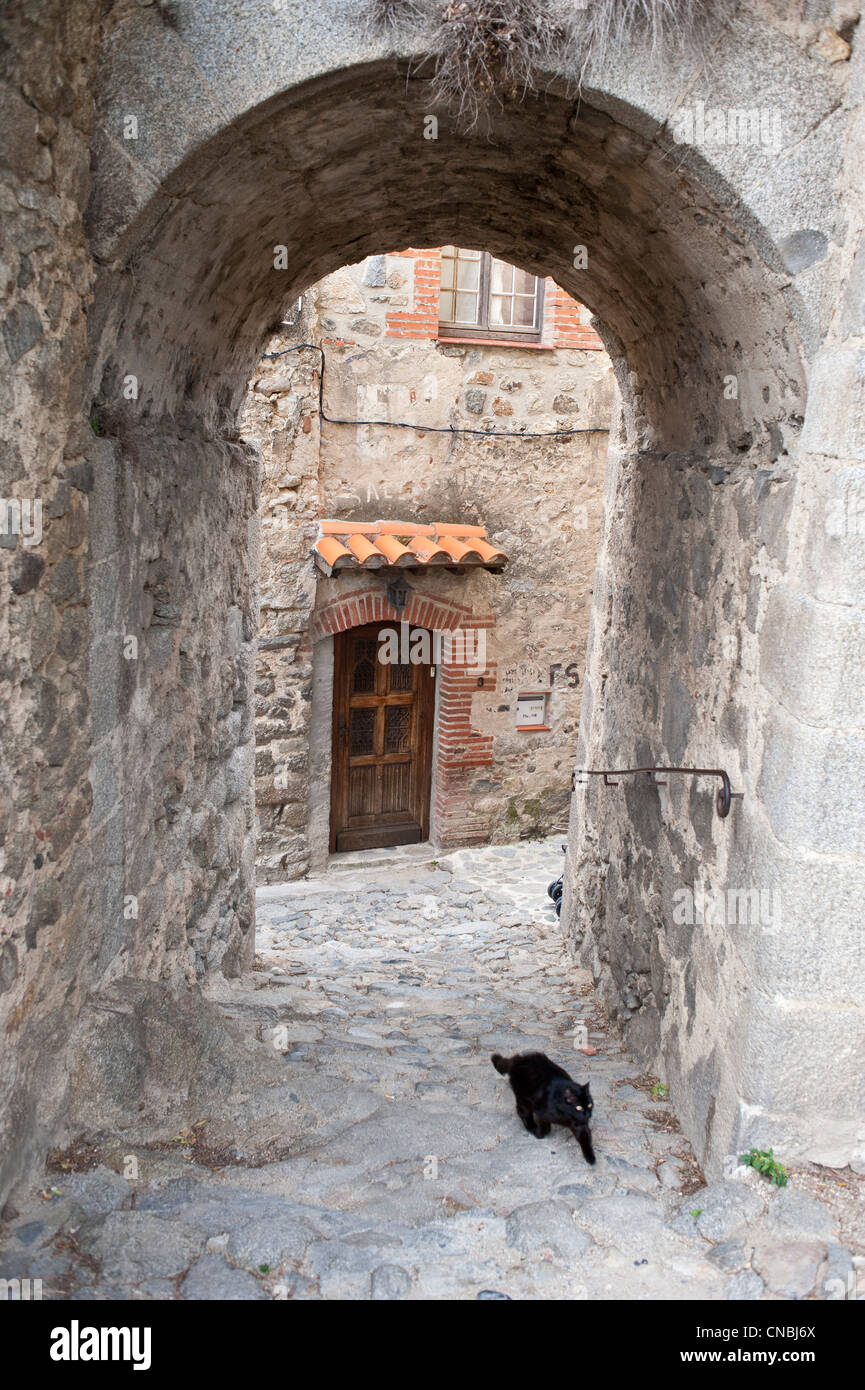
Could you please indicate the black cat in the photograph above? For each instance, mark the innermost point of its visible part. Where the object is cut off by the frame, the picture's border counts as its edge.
(547, 1096)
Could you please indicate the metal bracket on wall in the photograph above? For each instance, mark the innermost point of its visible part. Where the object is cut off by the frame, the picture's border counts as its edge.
(723, 799)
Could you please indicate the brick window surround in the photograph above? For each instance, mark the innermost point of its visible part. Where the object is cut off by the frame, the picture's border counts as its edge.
(562, 327)
(458, 747)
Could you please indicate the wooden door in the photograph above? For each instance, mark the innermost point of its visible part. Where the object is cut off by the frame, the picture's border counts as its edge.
(382, 745)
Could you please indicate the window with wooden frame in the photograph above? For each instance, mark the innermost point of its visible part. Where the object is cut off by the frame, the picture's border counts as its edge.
(483, 297)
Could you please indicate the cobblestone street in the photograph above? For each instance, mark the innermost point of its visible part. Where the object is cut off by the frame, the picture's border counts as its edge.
(385, 989)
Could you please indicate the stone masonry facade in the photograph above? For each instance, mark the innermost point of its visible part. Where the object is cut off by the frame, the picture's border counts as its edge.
(538, 497)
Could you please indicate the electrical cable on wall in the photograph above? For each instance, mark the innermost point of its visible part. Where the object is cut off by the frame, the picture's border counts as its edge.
(427, 429)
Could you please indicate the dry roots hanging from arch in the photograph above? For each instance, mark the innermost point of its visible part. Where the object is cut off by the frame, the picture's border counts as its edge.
(486, 50)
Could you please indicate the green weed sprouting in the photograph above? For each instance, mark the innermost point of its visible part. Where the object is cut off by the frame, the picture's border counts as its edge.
(764, 1161)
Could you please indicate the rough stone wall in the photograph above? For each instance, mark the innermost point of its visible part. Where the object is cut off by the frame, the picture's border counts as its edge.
(538, 498)
(47, 886)
(806, 1026)
(727, 631)
(679, 988)
(172, 640)
(127, 629)
(281, 421)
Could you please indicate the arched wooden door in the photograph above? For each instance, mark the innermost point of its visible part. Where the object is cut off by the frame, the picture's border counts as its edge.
(382, 745)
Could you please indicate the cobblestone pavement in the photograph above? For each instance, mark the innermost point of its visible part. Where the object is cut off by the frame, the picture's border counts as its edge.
(383, 992)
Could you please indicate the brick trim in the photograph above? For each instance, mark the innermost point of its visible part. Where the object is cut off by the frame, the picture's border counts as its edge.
(422, 319)
(360, 606)
(535, 345)
(562, 327)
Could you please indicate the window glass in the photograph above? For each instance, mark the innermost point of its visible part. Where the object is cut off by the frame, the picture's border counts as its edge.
(524, 311)
(501, 276)
(466, 310)
(480, 291)
(499, 310)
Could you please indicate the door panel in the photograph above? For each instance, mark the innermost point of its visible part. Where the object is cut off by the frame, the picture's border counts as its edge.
(382, 745)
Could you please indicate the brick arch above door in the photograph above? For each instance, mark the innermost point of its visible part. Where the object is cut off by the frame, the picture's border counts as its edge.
(360, 606)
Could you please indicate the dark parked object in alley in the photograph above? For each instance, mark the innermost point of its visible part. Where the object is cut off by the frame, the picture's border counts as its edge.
(556, 888)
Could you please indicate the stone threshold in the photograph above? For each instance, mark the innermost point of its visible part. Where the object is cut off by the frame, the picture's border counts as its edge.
(423, 855)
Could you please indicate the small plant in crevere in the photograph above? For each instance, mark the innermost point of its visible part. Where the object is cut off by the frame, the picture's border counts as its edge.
(660, 1091)
(765, 1162)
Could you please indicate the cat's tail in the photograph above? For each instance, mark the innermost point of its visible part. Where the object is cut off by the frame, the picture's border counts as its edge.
(501, 1064)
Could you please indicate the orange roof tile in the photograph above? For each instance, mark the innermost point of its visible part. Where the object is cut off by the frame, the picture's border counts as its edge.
(489, 554)
(403, 528)
(394, 551)
(455, 548)
(428, 550)
(365, 550)
(331, 550)
(403, 545)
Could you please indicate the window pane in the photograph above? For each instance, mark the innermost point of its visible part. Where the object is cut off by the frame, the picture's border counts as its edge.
(468, 274)
(524, 311)
(525, 283)
(467, 308)
(400, 677)
(468, 255)
(447, 274)
(361, 733)
(363, 675)
(449, 251)
(397, 728)
(446, 306)
(501, 277)
(500, 311)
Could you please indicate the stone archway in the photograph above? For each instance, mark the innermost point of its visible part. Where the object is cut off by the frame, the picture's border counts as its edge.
(711, 559)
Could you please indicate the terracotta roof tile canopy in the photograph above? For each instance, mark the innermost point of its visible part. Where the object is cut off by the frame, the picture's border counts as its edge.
(372, 545)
